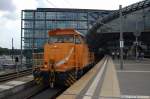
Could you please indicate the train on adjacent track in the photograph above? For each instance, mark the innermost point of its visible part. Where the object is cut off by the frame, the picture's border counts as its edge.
(66, 58)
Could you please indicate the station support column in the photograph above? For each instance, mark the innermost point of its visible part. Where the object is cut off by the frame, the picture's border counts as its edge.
(121, 38)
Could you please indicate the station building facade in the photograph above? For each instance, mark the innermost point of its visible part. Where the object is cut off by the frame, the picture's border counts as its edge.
(35, 24)
(136, 31)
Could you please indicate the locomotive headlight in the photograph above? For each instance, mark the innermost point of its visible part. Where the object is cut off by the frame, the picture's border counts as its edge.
(45, 66)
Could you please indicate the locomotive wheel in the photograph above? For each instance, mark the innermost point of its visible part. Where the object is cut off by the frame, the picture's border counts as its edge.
(38, 80)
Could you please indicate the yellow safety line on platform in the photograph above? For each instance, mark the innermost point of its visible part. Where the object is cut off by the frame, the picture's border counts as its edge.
(89, 93)
(110, 86)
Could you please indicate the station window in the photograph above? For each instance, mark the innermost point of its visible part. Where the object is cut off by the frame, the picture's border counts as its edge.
(27, 24)
(82, 25)
(61, 24)
(50, 15)
(28, 33)
(77, 40)
(51, 24)
(27, 43)
(66, 16)
(39, 15)
(82, 16)
(61, 15)
(39, 43)
(28, 15)
(39, 34)
(40, 24)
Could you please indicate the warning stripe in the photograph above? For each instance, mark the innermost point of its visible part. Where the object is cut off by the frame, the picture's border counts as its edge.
(68, 82)
(72, 77)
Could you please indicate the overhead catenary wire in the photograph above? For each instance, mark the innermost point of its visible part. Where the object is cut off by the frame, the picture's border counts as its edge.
(52, 4)
(68, 3)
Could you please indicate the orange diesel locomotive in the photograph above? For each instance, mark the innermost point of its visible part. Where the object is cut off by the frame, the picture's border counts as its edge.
(66, 58)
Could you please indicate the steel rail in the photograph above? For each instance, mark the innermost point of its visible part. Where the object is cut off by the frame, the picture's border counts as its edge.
(9, 76)
(45, 92)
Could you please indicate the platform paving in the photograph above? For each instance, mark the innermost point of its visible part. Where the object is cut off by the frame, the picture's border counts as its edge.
(134, 79)
(99, 83)
(11, 87)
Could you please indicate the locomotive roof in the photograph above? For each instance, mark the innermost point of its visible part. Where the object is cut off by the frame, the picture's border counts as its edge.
(66, 31)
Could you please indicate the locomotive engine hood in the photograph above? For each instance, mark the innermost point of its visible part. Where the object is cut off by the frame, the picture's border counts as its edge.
(59, 53)
(66, 58)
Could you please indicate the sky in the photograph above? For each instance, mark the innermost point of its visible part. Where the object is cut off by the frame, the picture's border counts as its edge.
(10, 13)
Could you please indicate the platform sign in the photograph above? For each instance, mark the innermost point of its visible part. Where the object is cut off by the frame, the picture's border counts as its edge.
(121, 44)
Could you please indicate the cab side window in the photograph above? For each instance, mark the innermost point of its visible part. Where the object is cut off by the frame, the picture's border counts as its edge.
(84, 40)
(77, 40)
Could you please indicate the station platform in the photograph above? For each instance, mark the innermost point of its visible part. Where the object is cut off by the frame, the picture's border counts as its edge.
(106, 81)
(13, 86)
(100, 82)
(134, 79)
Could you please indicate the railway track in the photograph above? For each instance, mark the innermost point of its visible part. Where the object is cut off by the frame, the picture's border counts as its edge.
(33, 91)
(38, 92)
(9, 76)
(47, 93)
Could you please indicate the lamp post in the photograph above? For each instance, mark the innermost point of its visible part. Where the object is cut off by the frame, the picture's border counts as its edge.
(121, 38)
(12, 49)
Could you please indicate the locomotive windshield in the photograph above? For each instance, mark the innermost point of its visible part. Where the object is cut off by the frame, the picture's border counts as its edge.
(61, 39)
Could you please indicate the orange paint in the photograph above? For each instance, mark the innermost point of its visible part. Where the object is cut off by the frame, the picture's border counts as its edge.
(66, 55)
